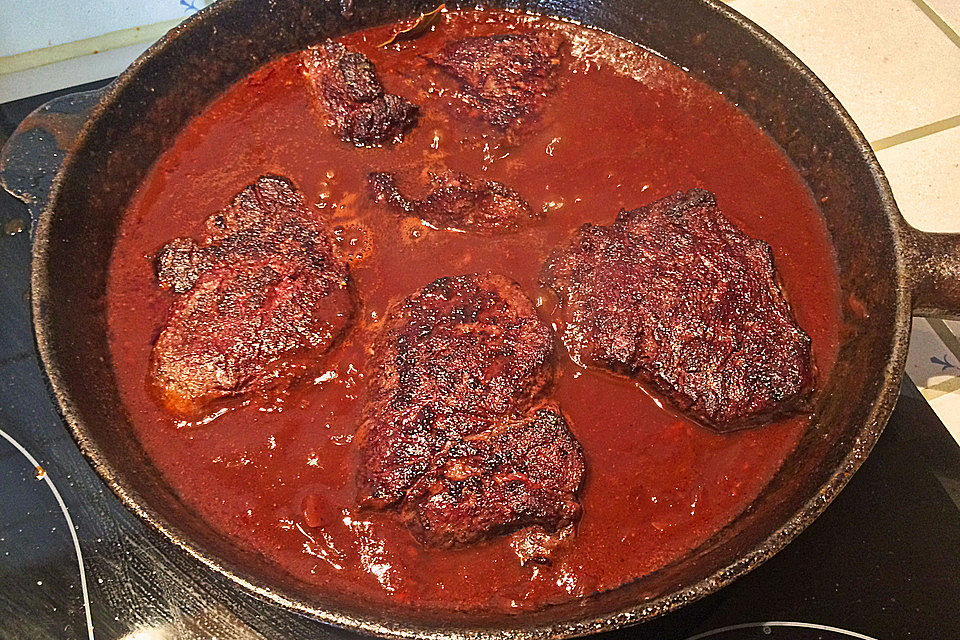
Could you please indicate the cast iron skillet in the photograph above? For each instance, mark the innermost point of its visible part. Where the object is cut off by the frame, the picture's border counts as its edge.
(887, 272)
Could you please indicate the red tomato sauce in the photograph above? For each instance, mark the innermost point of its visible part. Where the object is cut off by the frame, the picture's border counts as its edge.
(624, 128)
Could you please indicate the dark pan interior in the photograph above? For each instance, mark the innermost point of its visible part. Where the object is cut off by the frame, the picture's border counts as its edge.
(141, 115)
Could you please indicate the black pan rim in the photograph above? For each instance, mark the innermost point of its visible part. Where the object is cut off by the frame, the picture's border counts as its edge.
(867, 436)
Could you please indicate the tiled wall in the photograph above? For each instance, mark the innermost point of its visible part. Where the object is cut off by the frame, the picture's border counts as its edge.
(49, 44)
(43, 23)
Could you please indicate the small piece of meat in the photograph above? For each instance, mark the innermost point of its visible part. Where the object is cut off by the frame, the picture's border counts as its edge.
(533, 545)
(348, 89)
(454, 431)
(677, 296)
(504, 77)
(260, 296)
(458, 202)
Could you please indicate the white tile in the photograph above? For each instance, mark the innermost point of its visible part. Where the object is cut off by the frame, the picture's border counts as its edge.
(947, 408)
(68, 73)
(930, 364)
(43, 23)
(936, 372)
(925, 176)
(889, 65)
(949, 12)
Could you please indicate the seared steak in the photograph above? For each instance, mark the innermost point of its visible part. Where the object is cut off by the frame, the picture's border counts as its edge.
(677, 296)
(517, 472)
(505, 77)
(458, 202)
(454, 432)
(260, 295)
(349, 91)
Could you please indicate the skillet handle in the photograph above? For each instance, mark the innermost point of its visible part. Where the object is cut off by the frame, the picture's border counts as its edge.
(933, 268)
(32, 155)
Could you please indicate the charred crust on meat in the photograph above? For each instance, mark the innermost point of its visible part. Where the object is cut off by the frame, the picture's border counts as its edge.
(504, 77)
(348, 89)
(260, 294)
(521, 472)
(457, 202)
(456, 434)
(675, 295)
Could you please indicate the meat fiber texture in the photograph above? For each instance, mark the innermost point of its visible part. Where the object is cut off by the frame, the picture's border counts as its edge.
(350, 93)
(260, 295)
(458, 202)
(456, 433)
(506, 78)
(675, 295)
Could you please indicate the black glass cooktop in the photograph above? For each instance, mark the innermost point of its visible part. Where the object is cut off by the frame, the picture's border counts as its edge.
(882, 562)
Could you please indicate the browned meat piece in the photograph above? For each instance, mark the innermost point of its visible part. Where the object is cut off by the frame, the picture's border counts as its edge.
(517, 473)
(676, 295)
(453, 353)
(260, 296)
(458, 202)
(347, 87)
(453, 429)
(506, 77)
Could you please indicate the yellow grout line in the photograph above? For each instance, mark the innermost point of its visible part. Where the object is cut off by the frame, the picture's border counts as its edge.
(96, 44)
(940, 389)
(937, 20)
(915, 134)
(947, 337)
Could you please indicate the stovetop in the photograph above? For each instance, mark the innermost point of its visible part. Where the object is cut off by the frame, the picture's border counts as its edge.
(882, 562)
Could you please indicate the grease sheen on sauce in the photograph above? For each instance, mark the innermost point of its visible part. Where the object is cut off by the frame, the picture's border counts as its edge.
(623, 129)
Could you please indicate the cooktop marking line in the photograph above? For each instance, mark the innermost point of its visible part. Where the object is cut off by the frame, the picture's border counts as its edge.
(800, 625)
(66, 515)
